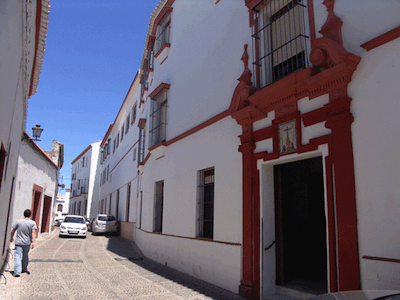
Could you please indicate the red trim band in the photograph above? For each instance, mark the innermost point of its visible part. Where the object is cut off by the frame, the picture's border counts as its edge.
(382, 39)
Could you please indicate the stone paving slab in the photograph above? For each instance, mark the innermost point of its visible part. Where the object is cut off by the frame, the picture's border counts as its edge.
(100, 267)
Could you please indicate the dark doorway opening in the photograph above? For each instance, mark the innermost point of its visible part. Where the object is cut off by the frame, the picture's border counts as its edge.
(301, 251)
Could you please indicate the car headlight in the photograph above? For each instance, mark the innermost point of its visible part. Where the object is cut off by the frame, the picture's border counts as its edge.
(62, 227)
(83, 228)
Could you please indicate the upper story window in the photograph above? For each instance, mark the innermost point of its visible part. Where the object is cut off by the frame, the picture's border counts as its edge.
(142, 139)
(109, 147)
(115, 144)
(280, 40)
(134, 113)
(163, 32)
(127, 123)
(83, 162)
(122, 132)
(117, 139)
(158, 115)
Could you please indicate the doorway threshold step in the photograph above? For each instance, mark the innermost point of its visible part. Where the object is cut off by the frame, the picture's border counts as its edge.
(292, 293)
(278, 297)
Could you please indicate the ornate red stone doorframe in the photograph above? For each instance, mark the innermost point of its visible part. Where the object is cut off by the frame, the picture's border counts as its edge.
(332, 70)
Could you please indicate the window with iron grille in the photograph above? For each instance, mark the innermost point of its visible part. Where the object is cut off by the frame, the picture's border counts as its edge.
(134, 113)
(158, 205)
(205, 203)
(158, 118)
(150, 59)
(163, 32)
(280, 42)
(143, 87)
(141, 147)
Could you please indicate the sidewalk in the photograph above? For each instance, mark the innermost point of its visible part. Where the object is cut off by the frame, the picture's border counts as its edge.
(10, 287)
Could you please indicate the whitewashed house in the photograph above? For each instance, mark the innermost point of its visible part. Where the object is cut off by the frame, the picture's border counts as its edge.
(84, 187)
(23, 27)
(36, 183)
(307, 91)
(119, 157)
(61, 205)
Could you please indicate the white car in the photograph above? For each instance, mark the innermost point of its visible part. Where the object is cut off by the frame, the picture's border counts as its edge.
(73, 226)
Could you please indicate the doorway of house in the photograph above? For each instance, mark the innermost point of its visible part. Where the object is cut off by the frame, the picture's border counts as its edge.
(300, 229)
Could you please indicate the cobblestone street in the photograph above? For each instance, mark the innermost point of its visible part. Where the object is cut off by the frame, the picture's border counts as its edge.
(99, 267)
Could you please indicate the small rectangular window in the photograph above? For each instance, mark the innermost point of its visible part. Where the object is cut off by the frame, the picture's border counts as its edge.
(205, 203)
(128, 202)
(158, 205)
(122, 132)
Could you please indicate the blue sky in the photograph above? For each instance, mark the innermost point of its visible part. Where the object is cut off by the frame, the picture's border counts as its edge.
(93, 51)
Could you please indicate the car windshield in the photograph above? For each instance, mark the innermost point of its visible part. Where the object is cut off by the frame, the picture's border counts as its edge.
(74, 220)
(106, 218)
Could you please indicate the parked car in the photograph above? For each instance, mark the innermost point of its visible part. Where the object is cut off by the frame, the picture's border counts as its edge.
(73, 226)
(104, 224)
(58, 221)
(90, 226)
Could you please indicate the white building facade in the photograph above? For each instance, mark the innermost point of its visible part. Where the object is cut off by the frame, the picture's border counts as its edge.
(36, 184)
(22, 40)
(61, 205)
(307, 92)
(83, 181)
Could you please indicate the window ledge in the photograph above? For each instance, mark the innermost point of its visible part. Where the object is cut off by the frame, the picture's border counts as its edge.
(158, 150)
(162, 54)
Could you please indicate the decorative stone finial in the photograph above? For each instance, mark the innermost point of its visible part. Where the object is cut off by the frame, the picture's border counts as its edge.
(332, 28)
(246, 75)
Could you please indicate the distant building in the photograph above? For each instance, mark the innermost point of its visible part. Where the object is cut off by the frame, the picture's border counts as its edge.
(36, 184)
(61, 205)
(83, 182)
(23, 27)
(257, 147)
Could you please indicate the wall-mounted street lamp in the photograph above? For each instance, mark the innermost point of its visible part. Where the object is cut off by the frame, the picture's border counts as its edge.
(37, 131)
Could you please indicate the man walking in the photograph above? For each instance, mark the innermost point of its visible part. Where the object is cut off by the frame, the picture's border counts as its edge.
(26, 234)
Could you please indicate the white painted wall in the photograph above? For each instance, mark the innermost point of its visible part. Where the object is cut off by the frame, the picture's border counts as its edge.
(375, 91)
(14, 89)
(204, 60)
(195, 257)
(83, 173)
(33, 168)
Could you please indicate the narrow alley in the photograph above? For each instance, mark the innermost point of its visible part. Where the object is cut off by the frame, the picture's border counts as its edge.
(99, 267)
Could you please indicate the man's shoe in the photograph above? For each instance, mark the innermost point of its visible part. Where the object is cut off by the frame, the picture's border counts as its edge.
(27, 272)
(15, 274)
